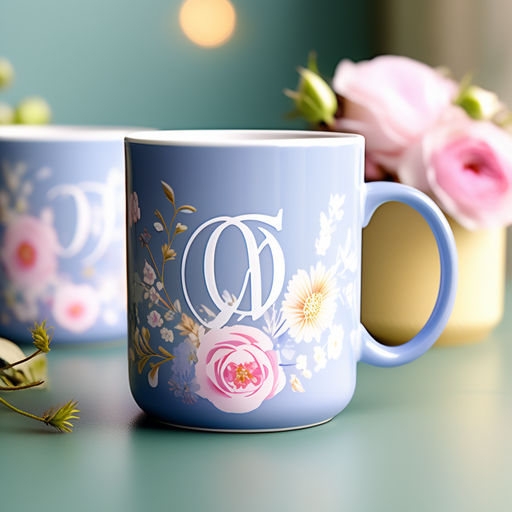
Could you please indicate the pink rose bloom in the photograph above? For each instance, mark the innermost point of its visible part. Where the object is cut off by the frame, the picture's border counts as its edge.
(29, 251)
(133, 209)
(391, 100)
(237, 368)
(76, 307)
(466, 166)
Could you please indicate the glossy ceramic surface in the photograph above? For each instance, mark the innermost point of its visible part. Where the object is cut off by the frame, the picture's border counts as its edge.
(244, 262)
(62, 236)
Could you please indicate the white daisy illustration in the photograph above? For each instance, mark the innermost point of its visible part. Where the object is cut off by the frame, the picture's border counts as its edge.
(310, 303)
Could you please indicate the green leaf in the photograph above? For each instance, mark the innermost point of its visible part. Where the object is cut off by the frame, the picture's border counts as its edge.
(145, 334)
(314, 99)
(169, 192)
(41, 337)
(60, 418)
(479, 103)
(312, 63)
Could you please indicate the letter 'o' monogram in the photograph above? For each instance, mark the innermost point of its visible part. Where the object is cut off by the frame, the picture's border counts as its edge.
(253, 275)
(86, 196)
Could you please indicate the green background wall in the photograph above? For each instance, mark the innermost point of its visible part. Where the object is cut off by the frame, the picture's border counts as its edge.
(128, 62)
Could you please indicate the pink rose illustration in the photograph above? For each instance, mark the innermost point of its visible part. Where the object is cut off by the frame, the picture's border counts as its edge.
(237, 368)
(466, 166)
(29, 251)
(76, 307)
(133, 209)
(391, 100)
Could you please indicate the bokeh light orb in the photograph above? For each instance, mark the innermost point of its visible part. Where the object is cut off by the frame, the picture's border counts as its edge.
(208, 23)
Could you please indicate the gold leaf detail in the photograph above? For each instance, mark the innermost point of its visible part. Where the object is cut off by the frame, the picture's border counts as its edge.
(186, 208)
(180, 228)
(168, 253)
(169, 192)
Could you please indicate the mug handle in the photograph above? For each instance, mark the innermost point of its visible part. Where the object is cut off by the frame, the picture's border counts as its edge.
(373, 352)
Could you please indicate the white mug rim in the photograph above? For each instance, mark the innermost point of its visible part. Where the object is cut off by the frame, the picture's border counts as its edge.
(238, 138)
(65, 133)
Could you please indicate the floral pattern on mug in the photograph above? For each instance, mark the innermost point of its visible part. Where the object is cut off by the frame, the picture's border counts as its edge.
(76, 307)
(33, 259)
(29, 251)
(310, 302)
(237, 368)
(183, 377)
(133, 209)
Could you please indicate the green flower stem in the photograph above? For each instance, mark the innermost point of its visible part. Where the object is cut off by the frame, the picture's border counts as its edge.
(58, 419)
(37, 352)
(24, 386)
(23, 413)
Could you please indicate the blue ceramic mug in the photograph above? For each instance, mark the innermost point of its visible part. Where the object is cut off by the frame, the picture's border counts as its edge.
(244, 276)
(62, 235)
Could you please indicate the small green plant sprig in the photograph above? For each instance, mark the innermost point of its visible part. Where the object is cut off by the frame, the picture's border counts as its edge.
(314, 99)
(59, 418)
(31, 110)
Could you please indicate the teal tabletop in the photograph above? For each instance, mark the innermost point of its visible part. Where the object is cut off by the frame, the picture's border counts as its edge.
(433, 435)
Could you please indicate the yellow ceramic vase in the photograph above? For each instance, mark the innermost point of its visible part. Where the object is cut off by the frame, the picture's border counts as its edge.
(401, 278)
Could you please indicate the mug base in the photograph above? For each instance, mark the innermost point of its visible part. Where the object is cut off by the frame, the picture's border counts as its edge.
(244, 430)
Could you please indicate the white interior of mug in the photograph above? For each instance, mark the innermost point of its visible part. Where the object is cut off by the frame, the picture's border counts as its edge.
(64, 133)
(242, 138)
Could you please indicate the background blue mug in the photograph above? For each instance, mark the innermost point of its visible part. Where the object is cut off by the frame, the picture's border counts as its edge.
(244, 272)
(62, 235)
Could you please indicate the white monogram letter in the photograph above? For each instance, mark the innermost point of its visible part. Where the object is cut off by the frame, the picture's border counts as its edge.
(253, 275)
(106, 195)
